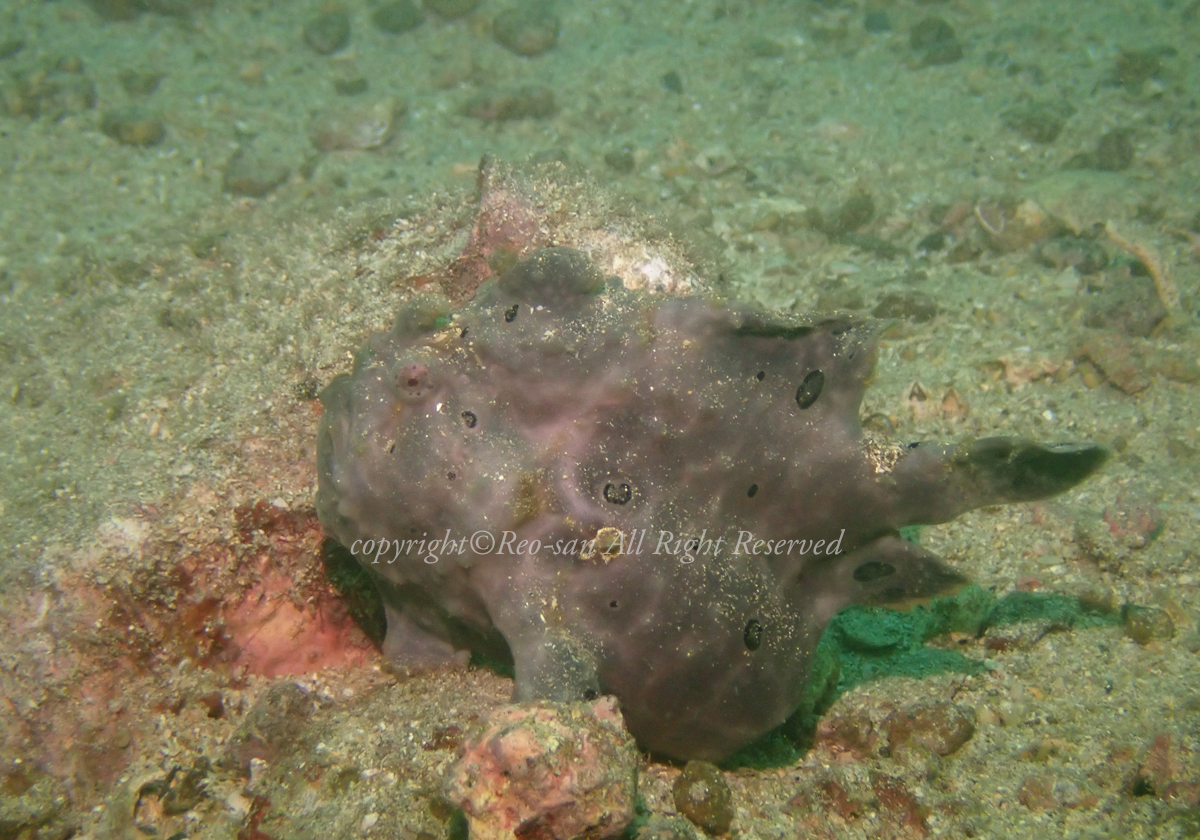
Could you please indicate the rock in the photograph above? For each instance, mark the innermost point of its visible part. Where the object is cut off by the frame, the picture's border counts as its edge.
(550, 771)
(941, 728)
(702, 795)
(935, 42)
(621, 160)
(1148, 624)
(397, 17)
(133, 127)
(253, 174)
(527, 30)
(854, 212)
(140, 83)
(1135, 67)
(327, 33)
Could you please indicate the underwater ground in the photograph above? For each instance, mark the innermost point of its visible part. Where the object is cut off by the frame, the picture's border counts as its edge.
(207, 206)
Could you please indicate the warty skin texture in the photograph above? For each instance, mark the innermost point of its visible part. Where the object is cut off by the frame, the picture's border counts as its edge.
(558, 406)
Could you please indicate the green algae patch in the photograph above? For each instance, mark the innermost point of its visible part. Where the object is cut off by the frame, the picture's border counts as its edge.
(865, 644)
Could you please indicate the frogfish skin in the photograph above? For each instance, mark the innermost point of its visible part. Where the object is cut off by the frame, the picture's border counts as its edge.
(658, 497)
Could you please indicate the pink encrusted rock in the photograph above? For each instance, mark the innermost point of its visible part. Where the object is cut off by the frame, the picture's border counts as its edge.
(547, 771)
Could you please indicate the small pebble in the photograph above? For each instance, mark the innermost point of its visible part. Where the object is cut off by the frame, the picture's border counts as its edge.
(934, 42)
(138, 83)
(620, 160)
(702, 795)
(1114, 151)
(133, 128)
(328, 33)
(1148, 624)
(526, 30)
(855, 211)
(397, 17)
(253, 174)
(1135, 67)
